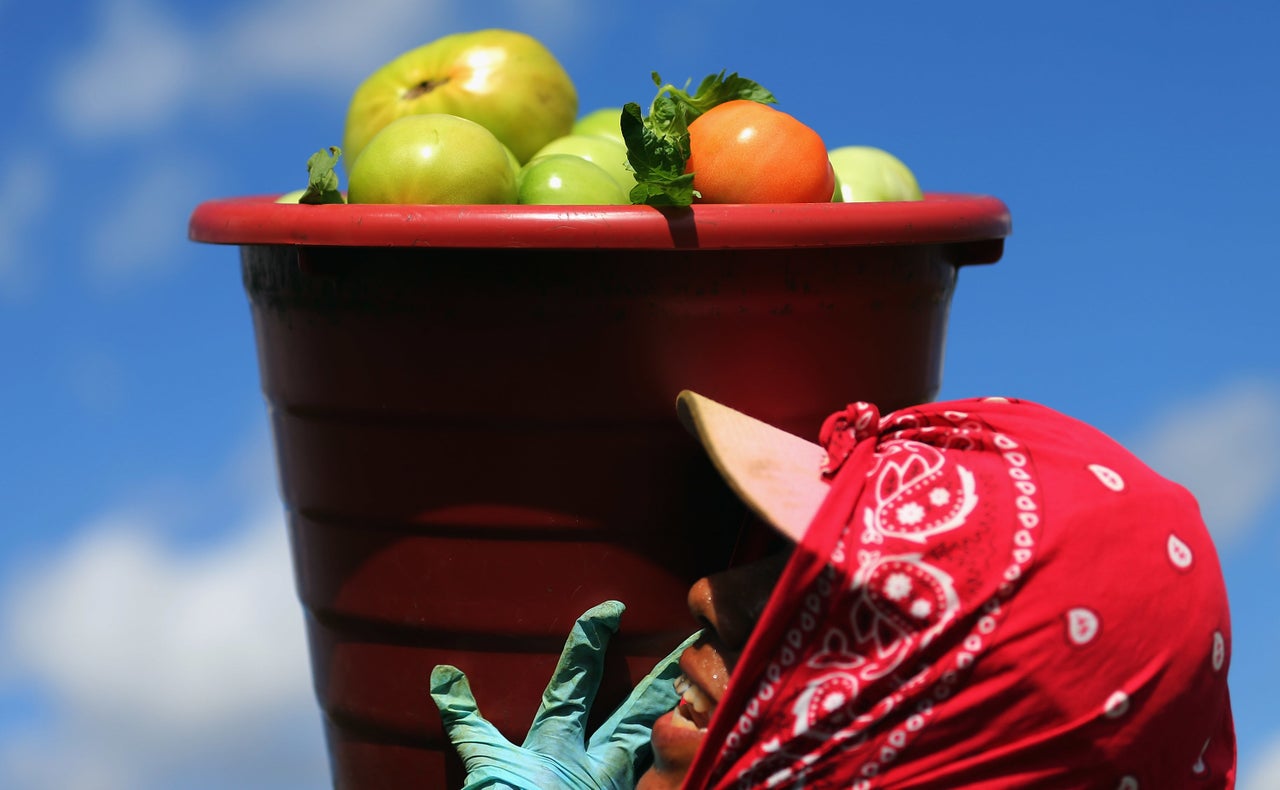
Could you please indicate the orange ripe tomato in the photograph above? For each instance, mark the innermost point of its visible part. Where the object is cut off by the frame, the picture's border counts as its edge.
(746, 152)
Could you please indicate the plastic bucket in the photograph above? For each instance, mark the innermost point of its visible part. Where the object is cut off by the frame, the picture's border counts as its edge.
(473, 414)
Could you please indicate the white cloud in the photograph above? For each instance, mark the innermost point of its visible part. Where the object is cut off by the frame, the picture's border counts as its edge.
(140, 230)
(146, 68)
(1225, 448)
(121, 623)
(313, 44)
(161, 664)
(25, 192)
(133, 77)
(1263, 773)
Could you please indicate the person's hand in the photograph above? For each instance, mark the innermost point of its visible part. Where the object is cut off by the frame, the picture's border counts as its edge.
(556, 754)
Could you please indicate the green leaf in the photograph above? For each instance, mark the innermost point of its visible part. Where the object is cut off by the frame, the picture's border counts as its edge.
(657, 159)
(322, 181)
(658, 144)
(717, 89)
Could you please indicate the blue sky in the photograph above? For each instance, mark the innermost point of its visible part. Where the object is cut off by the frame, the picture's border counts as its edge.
(149, 637)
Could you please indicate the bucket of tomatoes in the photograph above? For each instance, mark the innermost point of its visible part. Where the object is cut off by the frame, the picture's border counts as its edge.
(471, 352)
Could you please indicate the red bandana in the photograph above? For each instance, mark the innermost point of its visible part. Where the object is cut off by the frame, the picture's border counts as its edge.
(992, 595)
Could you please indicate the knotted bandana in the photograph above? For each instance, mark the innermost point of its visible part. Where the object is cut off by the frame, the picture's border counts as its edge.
(991, 595)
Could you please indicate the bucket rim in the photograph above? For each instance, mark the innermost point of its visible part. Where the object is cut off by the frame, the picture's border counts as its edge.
(940, 218)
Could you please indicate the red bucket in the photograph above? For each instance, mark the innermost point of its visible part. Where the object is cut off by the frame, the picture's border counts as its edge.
(473, 412)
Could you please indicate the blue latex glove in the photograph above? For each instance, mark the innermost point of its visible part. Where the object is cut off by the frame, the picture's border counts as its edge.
(556, 754)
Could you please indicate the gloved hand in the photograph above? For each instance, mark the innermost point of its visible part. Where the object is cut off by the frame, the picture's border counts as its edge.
(556, 755)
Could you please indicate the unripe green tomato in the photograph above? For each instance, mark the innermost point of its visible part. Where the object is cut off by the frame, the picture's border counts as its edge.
(504, 80)
(566, 180)
(866, 174)
(606, 152)
(433, 158)
(606, 122)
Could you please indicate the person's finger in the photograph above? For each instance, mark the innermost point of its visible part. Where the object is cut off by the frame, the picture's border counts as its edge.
(625, 734)
(471, 734)
(562, 716)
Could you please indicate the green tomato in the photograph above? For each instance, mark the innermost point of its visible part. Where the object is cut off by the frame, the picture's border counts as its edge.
(434, 158)
(512, 160)
(605, 152)
(866, 174)
(606, 122)
(503, 80)
(291, 197)
(566, 180)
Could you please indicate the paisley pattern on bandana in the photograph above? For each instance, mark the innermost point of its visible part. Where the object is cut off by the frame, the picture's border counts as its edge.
(968, 609)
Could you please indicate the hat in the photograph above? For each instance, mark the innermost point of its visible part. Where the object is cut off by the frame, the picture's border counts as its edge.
(777, 474)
